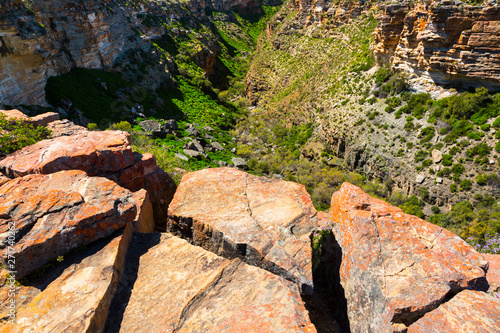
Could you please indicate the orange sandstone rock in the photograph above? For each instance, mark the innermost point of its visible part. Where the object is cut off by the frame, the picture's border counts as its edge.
(469, 311)
(183, 288)
(265, 222)
(55, 213)
(397, 267)
(493, 274)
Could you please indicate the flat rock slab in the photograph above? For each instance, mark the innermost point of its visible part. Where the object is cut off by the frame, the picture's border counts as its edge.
(493, 274)
(469, 311)
(92, 152)
(78, 300)
(183, 288)
(265, 222)
(396, 267)
(53, 214)
(65, 128)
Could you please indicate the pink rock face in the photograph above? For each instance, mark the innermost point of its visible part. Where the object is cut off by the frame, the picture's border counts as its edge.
(39, 120)
(265, 222)
(469, 311)
(493, 274)
(55, 213)
(396, 267)
(92, 152)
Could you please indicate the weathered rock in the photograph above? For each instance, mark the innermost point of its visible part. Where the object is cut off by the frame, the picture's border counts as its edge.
(151, 126)
(144, 221)
(182, 157)
(92, 152)
(469, 311)
(170, 125)
(436, 156)
(195, 145)
(193, 290)
(145, 174)
(79, 299)
(53, 214)
(442, 41)
(39, 120)
(493, 274)
(439, 180)
(263, 221)
(396, 267)
(239, 162)
(44, 119)
(193, 131)
(3, 179)
(65, 128)
(217, 146)
(192, 153)
(420, 178)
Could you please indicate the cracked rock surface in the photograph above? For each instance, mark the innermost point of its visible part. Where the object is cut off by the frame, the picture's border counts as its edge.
(397, 267)
(265, 222)
(55, 213)
(178, 287)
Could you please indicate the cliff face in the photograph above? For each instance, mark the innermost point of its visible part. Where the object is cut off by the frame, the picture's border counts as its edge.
(442, 41)
(52, 37)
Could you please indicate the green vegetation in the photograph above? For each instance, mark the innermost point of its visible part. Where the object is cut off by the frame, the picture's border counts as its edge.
(17, 134)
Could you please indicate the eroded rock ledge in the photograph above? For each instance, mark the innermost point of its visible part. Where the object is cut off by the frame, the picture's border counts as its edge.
(442, 41)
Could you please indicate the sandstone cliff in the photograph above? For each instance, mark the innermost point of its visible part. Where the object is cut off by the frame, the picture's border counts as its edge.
(446, 42)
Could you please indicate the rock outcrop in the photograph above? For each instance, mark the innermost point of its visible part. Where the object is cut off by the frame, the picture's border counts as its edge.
(265, 222)
(78, 300)
(183, 288)
(39, 120)
(469, 311)
(442, 41)
(396, 267)
(106, 154)
(53, 214)
(493, 275)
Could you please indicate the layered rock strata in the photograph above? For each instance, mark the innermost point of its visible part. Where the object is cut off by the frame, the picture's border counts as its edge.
(442, 41)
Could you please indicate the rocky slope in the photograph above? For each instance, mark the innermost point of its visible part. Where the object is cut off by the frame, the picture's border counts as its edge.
(39, 39)
(245, 263)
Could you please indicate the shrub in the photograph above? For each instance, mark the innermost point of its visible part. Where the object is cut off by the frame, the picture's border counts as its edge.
(481, 179)
(16, 135)
(453, 188)
(465, 185)
(447, 160)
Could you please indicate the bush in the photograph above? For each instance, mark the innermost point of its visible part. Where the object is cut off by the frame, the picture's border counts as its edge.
(465, 185)
(481, 179)
(16, 135)
(447, 160)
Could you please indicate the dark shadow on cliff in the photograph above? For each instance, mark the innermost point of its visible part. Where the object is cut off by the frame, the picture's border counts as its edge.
(327, 306)
(139, 245)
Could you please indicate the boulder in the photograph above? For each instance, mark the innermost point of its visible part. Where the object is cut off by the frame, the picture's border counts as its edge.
(397, 267)
(170, 125)
(44, 119)
(92, 152)
(437, 156)
(106, 154)
(239, 162)
(420, 178)
(145, 174)
(78, 300)
(193, 290)
(182, 157)
(264, 222)
(469, 311)
(192, 153)
(193, 131)
(39, 120)
(195, 145)
(217, 146)
(53, 214)
(150, 126)
(493, 274)
(65, 128)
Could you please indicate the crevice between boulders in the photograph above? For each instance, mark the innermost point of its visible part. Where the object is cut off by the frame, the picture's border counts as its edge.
(408, 317)
(210, 239)
(327, 305)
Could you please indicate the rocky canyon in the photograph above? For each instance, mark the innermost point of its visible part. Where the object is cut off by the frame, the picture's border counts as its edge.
(249, 166)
